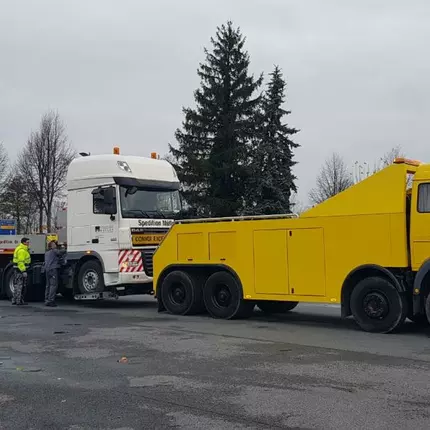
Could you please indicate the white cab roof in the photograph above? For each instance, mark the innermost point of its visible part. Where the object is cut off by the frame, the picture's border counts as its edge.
(101, 169)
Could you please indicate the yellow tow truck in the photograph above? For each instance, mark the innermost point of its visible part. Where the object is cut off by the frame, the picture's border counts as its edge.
(367, 249)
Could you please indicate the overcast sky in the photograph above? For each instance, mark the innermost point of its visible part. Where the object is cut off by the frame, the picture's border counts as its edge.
(119, 71)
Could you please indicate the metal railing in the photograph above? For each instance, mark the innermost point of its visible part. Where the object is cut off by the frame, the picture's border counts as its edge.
(237, 218)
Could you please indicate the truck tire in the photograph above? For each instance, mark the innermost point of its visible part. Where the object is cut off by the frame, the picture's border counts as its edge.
(223, 297)
(377, 306)
(272, 307)
(8, 283)
(427, 307)
(34, 293)
(90, 278)
(181, 294)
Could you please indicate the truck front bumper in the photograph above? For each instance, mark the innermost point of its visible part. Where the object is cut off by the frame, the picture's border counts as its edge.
(118, 279)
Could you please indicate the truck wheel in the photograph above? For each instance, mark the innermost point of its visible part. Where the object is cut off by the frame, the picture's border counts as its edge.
(181, 294)
(377, 306)
(272, 307)
(90, 278)
(8, 286)
(427, 307)
(223, 297)
(34, 293)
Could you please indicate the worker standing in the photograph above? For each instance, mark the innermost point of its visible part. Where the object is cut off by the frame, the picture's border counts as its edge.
(51, 266)
(21, 262)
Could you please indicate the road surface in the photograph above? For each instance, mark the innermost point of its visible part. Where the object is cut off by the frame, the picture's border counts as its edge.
(61, 369)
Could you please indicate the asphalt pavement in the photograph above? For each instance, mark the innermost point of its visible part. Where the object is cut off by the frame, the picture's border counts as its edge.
(122, 365)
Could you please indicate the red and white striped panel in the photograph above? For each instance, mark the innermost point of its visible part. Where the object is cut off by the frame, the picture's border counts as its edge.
(130, 260)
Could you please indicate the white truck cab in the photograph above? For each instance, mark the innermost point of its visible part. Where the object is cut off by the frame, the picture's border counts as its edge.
(119, 209)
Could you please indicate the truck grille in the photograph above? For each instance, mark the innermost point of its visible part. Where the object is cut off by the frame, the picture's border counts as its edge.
(147, 261)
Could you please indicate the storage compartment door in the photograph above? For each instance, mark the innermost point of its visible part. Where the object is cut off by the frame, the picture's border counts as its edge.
(306, 262)
(270, 262)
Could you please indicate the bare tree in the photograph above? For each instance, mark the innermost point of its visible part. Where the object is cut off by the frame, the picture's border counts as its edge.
(389, 157)
(18, 203)
(4, 168)
(296, 205)
(333, 178)
(4, 163)
(44, 162)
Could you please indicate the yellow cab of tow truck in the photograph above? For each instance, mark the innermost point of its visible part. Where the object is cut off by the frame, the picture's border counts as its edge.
(367, 249)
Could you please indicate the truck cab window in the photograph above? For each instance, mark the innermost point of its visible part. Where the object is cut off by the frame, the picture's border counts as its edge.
(149, 203)
(424, 198)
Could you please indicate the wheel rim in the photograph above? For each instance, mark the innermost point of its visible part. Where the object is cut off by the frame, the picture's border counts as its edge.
(221, 296)
(177, 293)
(376, 305)
(90, 281)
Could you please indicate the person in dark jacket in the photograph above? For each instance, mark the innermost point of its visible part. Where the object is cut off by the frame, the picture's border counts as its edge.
(52, 264)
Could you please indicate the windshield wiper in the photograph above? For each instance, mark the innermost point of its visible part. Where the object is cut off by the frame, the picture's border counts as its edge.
(145, 214)
(158, 213)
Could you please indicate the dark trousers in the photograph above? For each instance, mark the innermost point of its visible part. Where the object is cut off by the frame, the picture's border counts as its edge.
(51, 285)
(19, 287)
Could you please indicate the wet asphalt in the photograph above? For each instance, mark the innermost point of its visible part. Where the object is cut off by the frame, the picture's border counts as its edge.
(62, 368)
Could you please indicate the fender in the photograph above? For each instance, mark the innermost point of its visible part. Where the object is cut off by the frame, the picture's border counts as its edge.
(417, 296)
(376, 268)
(78, 255)
(355, 275)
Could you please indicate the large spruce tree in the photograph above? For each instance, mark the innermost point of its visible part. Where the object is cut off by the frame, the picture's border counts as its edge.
(212, 157)
(273, 182)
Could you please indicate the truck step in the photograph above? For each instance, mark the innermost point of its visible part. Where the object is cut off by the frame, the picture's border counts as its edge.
(96, 296)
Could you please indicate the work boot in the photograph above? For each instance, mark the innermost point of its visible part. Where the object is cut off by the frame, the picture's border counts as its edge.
(51, 305)
(13, 302)
(22, 303)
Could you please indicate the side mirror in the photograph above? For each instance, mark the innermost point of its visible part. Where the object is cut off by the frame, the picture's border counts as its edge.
(109, 196)
(104, 200)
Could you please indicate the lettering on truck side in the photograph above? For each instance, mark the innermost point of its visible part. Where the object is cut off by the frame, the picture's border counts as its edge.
(155, 223)
(143, 236)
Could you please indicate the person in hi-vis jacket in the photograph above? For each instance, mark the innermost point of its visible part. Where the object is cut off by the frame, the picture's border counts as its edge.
(21, 262)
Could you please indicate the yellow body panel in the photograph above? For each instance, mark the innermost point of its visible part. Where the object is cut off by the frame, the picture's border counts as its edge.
(270, 261)
(308, 258)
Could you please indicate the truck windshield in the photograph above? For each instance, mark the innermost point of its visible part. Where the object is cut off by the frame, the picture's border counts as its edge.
(147, 203)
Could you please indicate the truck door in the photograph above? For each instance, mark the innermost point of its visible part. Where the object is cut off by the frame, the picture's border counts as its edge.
(420, 224)
(104, 226)
(306, 262)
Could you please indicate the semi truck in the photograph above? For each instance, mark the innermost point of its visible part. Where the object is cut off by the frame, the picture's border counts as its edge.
(366, 249)
(118, 210)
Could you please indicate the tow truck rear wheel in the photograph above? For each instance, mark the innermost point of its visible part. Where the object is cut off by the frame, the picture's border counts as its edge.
(90, 277)
(223, 297)
(272, 307)
(181, 293)
(377, 306)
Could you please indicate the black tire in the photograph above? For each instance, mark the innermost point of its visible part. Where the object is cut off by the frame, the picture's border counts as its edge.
(181, 293)
(8, 283)
(272, 307)
(377, 306)
(33, 292)
(90, 278)
(223, 297)
(427, 307)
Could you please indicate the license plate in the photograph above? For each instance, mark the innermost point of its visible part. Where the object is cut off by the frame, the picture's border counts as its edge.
(147, 239)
